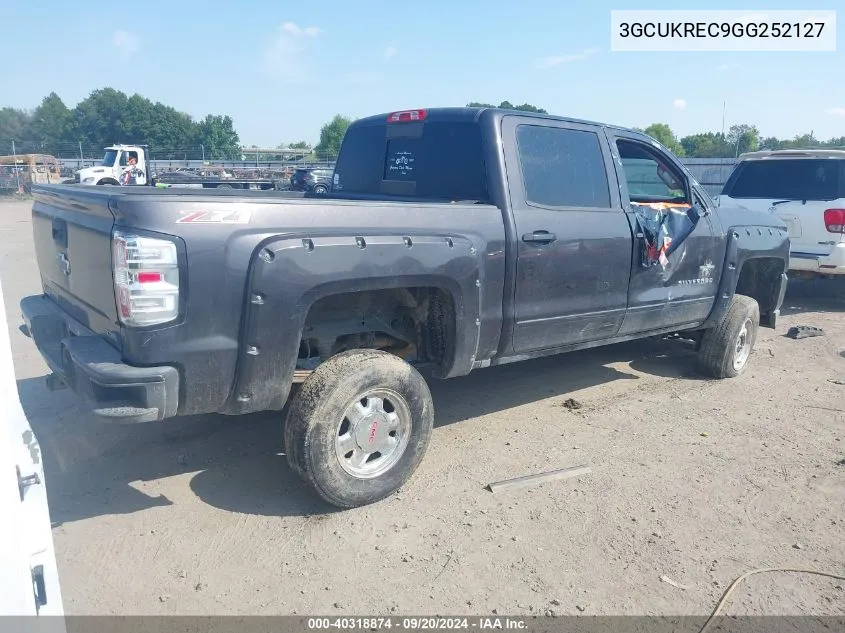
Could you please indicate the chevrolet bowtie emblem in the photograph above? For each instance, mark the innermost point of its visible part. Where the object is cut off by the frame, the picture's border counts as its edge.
(64, 263)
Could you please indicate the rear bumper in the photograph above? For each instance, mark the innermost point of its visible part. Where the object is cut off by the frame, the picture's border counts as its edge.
(832, 264)
(94, 370)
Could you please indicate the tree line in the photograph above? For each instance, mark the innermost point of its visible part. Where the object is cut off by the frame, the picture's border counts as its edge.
(739, 139)
(108, 116)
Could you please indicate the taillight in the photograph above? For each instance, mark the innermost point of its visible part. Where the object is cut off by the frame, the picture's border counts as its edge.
(834, 220)
(146, 279)
(407, 115)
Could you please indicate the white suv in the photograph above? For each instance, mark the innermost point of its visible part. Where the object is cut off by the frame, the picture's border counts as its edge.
(806, 188)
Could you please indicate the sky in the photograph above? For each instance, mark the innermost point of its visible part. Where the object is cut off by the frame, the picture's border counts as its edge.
(283, 69)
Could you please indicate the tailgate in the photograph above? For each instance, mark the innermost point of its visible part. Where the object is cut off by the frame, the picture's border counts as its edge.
(71, 229)
(807, 229)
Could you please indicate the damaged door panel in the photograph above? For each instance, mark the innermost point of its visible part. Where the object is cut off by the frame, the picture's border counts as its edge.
(678, 256)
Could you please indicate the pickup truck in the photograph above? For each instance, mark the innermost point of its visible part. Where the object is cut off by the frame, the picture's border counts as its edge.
(453, 239)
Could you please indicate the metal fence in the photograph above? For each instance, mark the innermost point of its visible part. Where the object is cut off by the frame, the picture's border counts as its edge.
(77, 155)
(710, 172)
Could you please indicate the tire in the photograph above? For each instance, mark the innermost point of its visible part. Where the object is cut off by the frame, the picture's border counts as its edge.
(726, 348)
(321, 189)
(224, 186)
(370, 398)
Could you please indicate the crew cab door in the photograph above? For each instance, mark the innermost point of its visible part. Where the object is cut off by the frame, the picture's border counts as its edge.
(574, 242)
(680, 290)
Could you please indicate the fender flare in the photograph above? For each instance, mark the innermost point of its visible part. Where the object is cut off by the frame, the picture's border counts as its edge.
(289, 274)
(744, 244)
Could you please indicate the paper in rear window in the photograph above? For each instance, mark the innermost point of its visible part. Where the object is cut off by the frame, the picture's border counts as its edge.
(400, 163)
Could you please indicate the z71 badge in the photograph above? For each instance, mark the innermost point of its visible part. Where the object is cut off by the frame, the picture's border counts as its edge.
(214, 217)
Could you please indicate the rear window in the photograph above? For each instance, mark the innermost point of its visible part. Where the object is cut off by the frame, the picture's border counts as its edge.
(798, 179)
(433, 159)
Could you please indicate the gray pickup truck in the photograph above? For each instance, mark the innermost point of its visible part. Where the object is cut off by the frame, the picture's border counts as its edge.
(454, 238)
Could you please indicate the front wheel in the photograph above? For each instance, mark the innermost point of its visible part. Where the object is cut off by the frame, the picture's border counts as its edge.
(359, 427)
(321, 189)
(725, 349)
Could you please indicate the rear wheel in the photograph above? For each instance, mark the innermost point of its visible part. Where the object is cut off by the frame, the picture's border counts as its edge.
(725, 349)
(359, 427)
(321, 189)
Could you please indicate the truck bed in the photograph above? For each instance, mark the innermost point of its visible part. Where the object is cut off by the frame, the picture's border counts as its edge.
(287, 248)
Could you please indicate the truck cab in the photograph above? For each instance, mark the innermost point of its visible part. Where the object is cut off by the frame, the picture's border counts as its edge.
(121, 165)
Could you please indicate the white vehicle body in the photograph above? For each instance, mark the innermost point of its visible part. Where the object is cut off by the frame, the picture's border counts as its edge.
(116, 167)
(806, 188)
(29, 582)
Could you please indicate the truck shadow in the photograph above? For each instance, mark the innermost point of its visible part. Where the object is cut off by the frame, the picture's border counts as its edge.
(814, 295)
(499, 388)
(96, 468)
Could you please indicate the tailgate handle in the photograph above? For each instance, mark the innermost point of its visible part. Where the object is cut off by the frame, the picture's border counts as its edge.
(60, 232)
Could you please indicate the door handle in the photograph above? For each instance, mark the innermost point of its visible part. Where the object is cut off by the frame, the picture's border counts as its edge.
(25, 481)
(39, 587)
(539, 237)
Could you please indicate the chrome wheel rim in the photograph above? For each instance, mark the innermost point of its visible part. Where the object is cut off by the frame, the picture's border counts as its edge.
(742, 347)
(373, 433)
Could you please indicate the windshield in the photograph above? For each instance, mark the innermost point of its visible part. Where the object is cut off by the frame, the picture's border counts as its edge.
(109, 158)
(783, 179)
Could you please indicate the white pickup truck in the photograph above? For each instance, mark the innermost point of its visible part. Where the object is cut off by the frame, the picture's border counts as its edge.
(806, 188)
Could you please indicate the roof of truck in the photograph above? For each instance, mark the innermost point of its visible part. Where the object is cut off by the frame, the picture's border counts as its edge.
(473, 114)
(793, 153)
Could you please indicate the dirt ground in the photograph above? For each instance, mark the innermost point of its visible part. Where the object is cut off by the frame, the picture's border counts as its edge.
(691, 479)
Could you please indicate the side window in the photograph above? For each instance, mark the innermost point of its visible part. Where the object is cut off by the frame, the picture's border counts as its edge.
(650, 176)
(122, 159)
(562, 167)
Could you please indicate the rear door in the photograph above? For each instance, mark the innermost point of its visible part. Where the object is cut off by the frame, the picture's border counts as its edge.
(72, 235)
(798, 190)
(574, 242)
